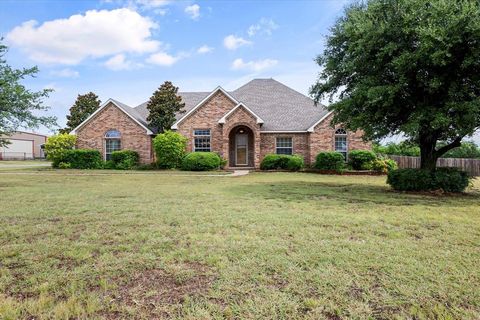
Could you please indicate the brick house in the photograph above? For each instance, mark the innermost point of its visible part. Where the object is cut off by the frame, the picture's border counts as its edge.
(261, 117)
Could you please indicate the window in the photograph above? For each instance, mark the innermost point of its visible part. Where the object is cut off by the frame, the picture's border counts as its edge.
(112, 143)
(284, 145)
(201, 140)
(341, 142)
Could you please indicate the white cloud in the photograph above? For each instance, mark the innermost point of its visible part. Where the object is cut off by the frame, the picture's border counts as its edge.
(65, 73)
(157, 6)
(193, 11)
(258, 65)
(95, 34)
(204, 49)
(118, 62)
(264, 26)
(232, 42)
(153, 3)
(163, 59)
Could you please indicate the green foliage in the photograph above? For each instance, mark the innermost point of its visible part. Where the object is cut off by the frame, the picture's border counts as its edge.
(201, 161)
(467, 149)
(451, 179)
(163, 105)
(391, 164)
(282, 162)
(447, 179)
(64, 165)
(170, 149)
(379, 165)
(405, 67)
(361, 159)
(84, 106)
(329, 161)
(295, 163)
(125, 159)
(403, 148)
(146, 166)
(19, 106)
(109, 164)
(57, 145)
(81, 159)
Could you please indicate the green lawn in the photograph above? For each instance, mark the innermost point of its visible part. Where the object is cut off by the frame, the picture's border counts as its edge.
(75, 244)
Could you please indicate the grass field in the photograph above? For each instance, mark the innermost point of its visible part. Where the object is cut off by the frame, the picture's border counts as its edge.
(262, 246)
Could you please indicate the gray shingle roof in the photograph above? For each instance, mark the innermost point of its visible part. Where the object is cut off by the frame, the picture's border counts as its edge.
(281, 108)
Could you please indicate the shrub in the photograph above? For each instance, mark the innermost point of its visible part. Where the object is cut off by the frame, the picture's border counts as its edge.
(109, 164)
(329, 161)
(383, 165)
(63, 165)
(125, 159)
(81, 159)
(391, 164)
(295, 163)
(148, 166)
(361, 159)
(57, 145)
(169, 149)
(451, 179)
(379, 165)
(273, 162)
(447, 179)
(201, 161)
(282, 162)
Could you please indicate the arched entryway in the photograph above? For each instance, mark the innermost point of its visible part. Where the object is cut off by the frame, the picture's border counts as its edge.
(241, 149)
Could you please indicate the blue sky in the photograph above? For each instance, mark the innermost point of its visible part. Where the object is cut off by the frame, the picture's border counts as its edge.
(125, 49)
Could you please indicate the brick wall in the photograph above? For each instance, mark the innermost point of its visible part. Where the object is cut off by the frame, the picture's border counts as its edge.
(206, 117)
(323, 139)
(134, 137)
(242, 117)
(300, 144)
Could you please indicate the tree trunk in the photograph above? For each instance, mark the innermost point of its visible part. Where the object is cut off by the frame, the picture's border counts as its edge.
(428, 154)
(428, 159)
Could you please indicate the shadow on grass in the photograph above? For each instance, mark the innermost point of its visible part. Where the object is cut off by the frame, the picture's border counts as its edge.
(360, 193)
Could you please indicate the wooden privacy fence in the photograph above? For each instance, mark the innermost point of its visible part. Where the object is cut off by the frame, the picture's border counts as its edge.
(472, 166)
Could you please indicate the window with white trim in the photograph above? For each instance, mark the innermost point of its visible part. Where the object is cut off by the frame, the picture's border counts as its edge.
(201, 140)
(284, 145)
(341, 144)
(112, 143)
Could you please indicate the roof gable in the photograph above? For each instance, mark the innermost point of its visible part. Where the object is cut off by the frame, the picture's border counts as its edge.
(130, 112)
(202, 102)
(240, 105)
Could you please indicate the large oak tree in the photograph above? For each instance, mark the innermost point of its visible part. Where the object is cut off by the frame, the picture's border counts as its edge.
(409, 67)
(19, 106)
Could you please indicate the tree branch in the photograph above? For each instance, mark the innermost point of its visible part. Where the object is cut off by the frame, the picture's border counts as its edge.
(455, 143)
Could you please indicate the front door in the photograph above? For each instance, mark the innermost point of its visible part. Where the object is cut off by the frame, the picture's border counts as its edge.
(241, 149)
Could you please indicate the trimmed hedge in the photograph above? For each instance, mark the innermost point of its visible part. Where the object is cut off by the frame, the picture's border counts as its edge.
(447, 179)
(282, 162)
(361, 159)
(125, 159)
(201, 161)
(80, 159)
(329, 161)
